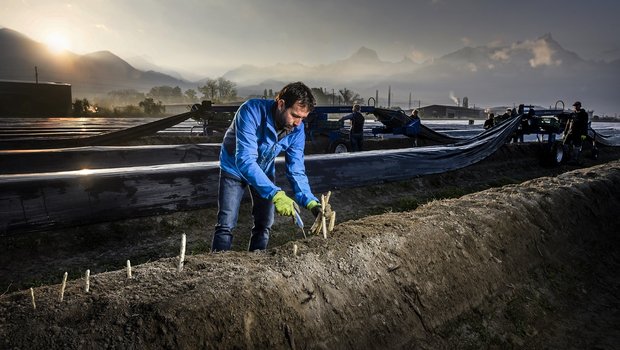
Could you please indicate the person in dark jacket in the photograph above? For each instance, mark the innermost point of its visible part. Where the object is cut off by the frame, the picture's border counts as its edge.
(356, 134)
(502, 118)
(576, 130)
(415, 117)
(488, 123)
(260, 130)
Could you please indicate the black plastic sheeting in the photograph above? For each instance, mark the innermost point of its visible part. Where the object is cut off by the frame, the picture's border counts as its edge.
(109, 138)
(36, 202)
(394, 119)
(436, 137)
(605, 140)
(327, 172)
(99, 157)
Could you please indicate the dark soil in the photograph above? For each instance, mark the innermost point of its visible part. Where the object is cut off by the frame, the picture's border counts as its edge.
(521, 264)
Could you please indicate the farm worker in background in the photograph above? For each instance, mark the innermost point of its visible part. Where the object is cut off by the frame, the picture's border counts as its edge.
(503, 117)
(415, 116)
(356, 134)
(489, 122)
(260, 130)
(576, 130)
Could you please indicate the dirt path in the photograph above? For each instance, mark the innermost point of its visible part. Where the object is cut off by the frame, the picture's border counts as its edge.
(498, 268)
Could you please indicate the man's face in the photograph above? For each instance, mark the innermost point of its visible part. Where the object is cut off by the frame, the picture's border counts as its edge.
(577, 108)
(288, 118)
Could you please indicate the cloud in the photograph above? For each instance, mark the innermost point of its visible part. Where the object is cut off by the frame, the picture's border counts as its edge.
(472, 67)
(501, 55)
(542, 54)
(466, 41)
(418, 56)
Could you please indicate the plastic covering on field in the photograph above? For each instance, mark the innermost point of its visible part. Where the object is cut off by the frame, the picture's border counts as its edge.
(36, 202)
(108, 138)
(604, 138)
(99, 157)
(359, 169)
(394, 119)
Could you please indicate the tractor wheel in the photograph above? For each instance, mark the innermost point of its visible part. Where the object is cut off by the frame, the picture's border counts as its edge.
(338, 147)
(555, 154)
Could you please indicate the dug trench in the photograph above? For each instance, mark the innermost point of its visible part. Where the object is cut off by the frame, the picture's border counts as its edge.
(514, 263)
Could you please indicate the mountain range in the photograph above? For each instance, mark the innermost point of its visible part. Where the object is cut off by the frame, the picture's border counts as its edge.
(90, 74)
(538, 71)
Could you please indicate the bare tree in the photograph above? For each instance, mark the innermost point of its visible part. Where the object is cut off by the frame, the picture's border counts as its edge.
(209, 90)
(321, 96)
(226, 89)
(190, 95)
(349, 96)
(219, 90)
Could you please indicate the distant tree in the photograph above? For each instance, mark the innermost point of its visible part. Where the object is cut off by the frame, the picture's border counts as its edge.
(209, 89)
(166, 93)
(151, 108)
(219, 90)
(226, 89)
(191, 95)
(321, 96)
(348, 96)
(81, 108)
(177, 93)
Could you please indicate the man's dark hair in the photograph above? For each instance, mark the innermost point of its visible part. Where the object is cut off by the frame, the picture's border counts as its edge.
(297, 92)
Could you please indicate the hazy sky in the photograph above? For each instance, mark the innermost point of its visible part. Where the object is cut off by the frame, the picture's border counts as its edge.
(208, 37)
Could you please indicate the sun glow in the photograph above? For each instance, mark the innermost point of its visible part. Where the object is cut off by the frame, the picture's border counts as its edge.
(58, 43)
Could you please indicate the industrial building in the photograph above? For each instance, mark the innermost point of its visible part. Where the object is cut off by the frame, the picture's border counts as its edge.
(30, 99)
(442, 111)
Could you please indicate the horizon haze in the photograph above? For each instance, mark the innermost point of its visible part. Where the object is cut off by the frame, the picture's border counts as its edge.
(208, 38)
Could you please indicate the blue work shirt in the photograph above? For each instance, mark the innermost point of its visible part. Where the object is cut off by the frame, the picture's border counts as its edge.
(251, 146)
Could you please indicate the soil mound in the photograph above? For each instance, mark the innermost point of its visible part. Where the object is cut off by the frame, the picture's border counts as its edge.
(492, 268)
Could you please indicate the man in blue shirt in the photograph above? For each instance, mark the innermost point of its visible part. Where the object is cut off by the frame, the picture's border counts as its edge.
(260, 130)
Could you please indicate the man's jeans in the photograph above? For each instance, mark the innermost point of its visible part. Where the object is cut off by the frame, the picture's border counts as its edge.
(229, 200)
(356, 142)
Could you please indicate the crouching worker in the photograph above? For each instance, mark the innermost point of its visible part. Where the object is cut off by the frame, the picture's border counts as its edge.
(260, 130)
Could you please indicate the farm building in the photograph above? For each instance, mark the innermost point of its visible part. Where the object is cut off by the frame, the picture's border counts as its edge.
(442, 111)
(29, 99)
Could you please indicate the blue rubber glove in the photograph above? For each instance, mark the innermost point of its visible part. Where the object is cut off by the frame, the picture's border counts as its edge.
(285, 206)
